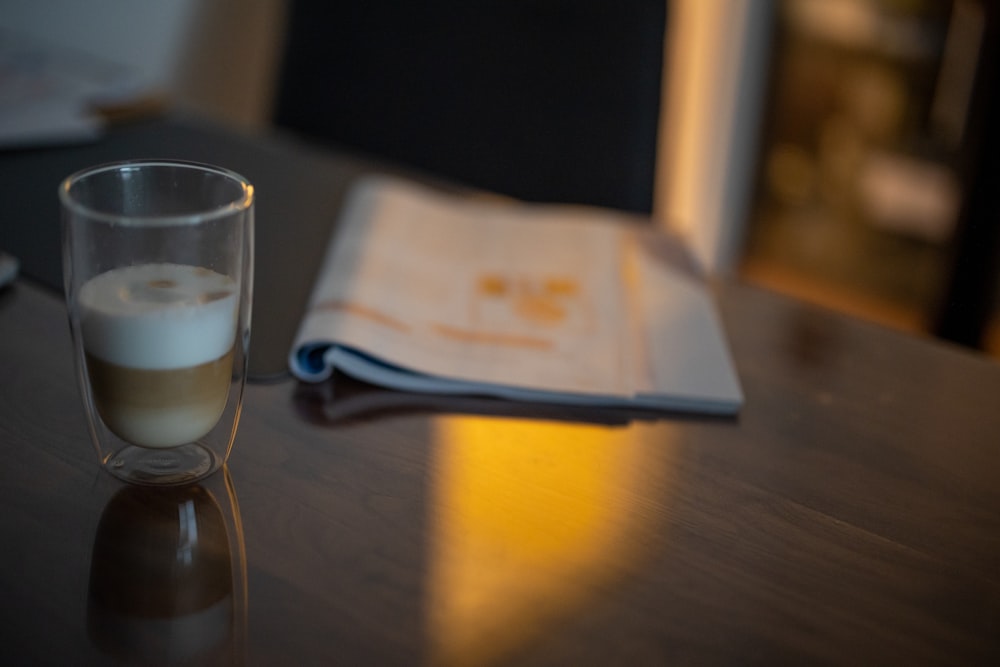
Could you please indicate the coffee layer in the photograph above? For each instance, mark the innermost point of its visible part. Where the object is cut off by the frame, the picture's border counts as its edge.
(160, 408)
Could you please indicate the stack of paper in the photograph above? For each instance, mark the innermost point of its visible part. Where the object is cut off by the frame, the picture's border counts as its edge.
(429, 292)
(51, 95)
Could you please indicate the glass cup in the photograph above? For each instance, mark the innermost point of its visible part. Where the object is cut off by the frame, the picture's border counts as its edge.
(158, 271)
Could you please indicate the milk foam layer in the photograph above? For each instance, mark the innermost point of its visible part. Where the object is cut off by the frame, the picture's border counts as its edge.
(158, 316)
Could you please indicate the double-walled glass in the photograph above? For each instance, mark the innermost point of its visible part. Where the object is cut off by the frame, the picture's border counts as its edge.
(158, 271)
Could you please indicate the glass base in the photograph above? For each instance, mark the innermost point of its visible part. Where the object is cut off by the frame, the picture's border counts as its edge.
(162, 467)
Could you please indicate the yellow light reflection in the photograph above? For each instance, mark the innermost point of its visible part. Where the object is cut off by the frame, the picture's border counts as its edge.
(529, 518)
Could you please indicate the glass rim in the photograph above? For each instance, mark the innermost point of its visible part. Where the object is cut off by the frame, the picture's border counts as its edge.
(236, 205)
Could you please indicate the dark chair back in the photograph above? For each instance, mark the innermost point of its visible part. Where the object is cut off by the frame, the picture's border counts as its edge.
(544, 100)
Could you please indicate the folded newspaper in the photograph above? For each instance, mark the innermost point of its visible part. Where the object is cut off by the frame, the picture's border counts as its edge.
(423, 291)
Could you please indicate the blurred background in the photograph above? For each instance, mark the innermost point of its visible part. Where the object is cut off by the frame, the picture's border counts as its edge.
(830, 149)
(869, 154)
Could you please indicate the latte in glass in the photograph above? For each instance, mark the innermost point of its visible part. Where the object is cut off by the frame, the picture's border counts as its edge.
(158, 342)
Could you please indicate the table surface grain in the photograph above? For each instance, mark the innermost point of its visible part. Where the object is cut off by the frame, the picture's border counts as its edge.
(849, 515)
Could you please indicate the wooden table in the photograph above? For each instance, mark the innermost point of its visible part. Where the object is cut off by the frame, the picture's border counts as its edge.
(850, 515)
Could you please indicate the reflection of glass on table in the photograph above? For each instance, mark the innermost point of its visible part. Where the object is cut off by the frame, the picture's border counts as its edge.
(168, 576)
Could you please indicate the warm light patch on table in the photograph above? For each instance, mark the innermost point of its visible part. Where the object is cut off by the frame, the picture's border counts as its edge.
(529, 519)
